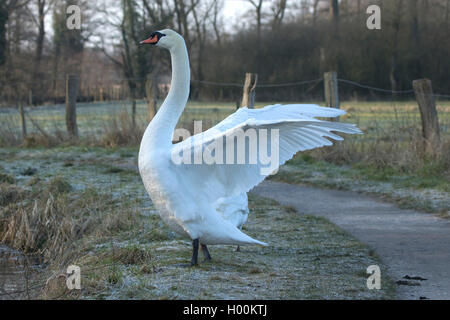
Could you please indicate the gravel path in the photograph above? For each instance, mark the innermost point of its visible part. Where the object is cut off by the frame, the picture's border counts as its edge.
(411, 243)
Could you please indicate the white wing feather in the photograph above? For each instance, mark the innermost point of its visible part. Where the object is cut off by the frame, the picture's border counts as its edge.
(298, 131)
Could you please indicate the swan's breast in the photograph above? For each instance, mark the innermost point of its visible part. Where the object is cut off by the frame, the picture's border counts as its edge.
(173, 202)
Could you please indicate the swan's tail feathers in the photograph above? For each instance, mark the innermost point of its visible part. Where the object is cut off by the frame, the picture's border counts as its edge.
(228, 234)
(241, 238)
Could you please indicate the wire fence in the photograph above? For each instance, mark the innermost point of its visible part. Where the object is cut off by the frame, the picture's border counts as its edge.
(52, 91)
(93, 116)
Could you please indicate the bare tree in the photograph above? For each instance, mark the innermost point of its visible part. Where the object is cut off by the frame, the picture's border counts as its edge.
(278, 10)
(6, 8)
(183, 9)
(315, 7)
(131, 25)
(334, 11)
(415, 38)
(43, 7)
(257, 4)
(396, 13)
(202, 16)
(215, 20)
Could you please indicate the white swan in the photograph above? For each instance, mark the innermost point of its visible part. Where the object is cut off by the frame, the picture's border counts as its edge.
(185, 194)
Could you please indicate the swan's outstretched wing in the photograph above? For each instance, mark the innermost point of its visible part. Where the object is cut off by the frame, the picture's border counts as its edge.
(271, 112)
(204, 162)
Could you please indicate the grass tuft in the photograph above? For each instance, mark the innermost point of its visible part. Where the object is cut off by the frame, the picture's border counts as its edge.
(58, 185)
(131, 255)
(6, 178)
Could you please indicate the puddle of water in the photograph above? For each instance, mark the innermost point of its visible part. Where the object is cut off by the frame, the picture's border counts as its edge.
(16, 279)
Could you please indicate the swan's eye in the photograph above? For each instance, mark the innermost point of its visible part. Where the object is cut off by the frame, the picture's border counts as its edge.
(154, 38)
(158, 35)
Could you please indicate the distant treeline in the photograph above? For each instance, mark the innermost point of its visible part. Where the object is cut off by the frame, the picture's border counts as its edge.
(284, 42)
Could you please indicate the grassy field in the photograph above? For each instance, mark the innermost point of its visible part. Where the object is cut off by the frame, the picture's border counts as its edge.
(377, 119)
(87, 206)
(387, 160)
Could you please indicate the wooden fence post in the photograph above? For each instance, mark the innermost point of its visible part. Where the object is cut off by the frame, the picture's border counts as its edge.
(248, 97)
(430, 123)
(151, 90)
(331, 89)
(71, 105)
(30, 98)
(22, 119)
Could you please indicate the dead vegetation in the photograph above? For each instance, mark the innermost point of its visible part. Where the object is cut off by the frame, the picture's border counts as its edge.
(10, 194)
(389, 152)
(133, 255)
(49, 219)
(120, 131)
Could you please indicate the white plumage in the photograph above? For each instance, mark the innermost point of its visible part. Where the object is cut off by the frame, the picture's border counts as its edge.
(200, 200)
(234, 209)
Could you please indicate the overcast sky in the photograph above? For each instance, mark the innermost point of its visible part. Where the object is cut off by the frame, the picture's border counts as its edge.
(232, 12)
(233, 8)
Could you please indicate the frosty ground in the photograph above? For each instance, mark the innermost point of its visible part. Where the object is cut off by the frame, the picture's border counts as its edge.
(112, 231)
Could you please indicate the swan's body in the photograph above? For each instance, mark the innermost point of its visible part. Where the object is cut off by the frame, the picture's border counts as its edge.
(186, 194)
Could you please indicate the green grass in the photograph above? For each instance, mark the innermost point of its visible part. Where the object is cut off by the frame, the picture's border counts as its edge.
(373, 117)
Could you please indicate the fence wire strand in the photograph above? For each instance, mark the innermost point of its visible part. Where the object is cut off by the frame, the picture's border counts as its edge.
(374, 88)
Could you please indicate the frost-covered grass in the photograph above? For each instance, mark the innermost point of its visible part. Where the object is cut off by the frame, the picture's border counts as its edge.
(425, 189)
(308, 257)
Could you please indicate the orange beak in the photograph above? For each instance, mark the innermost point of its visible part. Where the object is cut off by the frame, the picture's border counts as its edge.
(151, 40)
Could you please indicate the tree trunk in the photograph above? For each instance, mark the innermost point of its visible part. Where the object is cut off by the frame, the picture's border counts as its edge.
(316, 3)
(334, 11)
(3, 21)
(415, 37)
(39, 46)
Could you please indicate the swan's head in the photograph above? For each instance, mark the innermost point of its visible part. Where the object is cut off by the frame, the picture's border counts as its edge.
(164, 38)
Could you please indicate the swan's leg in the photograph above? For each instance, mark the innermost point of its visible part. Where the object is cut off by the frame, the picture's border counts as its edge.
(194, 252)
(205, 252)
(238, 249)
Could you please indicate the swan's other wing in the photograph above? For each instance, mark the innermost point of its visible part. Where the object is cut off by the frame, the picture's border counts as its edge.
(297, 131)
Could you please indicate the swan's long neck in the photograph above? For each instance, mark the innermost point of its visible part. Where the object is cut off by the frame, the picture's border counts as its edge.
(163, 124)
